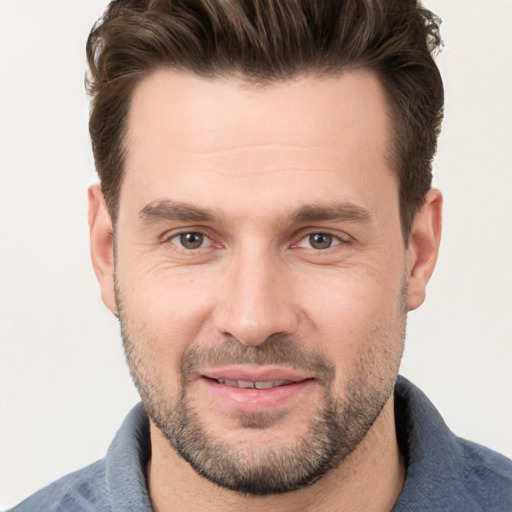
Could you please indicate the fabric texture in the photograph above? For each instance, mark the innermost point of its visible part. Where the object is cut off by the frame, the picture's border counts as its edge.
(444, 472)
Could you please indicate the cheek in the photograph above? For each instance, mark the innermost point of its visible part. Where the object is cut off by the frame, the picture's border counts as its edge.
(351, 311)
(347, 299)
(164, 312)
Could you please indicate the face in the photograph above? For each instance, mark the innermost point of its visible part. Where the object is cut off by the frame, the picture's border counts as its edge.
(261, 276)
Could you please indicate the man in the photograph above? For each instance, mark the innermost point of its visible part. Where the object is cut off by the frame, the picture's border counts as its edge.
(265, 221)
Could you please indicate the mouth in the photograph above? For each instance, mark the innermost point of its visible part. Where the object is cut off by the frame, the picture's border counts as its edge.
(255, 377)
(255, 389)
(261, 384)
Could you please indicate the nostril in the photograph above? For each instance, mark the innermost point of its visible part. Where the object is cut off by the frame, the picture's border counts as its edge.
(251, 317)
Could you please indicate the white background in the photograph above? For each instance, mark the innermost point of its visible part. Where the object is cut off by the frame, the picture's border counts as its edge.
(64, 389)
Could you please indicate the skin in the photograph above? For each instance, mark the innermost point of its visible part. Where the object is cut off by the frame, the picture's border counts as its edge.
(253, 157)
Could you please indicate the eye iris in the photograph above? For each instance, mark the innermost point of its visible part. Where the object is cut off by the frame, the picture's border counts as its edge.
(320, 241)
(191, 240)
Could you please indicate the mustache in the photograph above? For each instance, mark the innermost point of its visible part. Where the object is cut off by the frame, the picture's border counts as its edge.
(275, 350)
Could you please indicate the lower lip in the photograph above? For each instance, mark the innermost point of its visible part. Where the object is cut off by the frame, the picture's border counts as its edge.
(256, 400)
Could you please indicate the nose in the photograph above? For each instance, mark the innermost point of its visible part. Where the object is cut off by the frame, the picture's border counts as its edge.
(256, 300)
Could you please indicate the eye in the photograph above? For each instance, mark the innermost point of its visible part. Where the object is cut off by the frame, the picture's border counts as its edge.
(190, 240)
(319, 241)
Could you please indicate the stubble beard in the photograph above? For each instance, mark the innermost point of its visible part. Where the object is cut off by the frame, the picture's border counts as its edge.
(334, 430)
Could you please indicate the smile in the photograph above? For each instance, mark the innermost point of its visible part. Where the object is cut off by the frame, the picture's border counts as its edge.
(242, 391)
(245, 384)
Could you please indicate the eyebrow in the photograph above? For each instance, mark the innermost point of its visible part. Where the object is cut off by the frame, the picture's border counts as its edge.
(168, 209)
(339, 212)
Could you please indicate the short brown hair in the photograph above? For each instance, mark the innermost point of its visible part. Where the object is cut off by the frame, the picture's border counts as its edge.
(268, 40)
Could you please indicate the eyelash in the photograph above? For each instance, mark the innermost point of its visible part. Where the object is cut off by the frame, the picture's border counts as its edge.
(170, 238)
(335, 239)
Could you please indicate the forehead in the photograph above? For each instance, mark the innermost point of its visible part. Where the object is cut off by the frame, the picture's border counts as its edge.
(309, 108)
(185, 131)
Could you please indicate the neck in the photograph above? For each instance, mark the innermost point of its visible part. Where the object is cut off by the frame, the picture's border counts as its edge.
(370, 479)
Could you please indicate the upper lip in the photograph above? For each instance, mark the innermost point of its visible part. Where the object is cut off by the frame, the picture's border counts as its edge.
(256, 374)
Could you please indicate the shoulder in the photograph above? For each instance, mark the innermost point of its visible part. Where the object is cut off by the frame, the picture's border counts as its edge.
(487, 475)
(445, 472)
(81, 491)
(116, 482)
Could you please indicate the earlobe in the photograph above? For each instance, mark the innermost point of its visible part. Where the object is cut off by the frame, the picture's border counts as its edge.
(423, 247)
(102, 245)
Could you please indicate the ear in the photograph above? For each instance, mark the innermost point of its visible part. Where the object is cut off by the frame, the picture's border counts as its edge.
(102, 245)
(423, 248)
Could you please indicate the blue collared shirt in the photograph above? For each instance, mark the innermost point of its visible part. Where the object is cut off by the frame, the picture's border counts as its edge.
(444, 472)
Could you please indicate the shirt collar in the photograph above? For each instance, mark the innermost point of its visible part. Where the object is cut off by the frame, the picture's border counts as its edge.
(434, 457)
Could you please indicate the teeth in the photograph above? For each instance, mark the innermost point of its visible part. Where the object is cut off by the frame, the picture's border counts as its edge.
(246, 384)
(269, 384)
